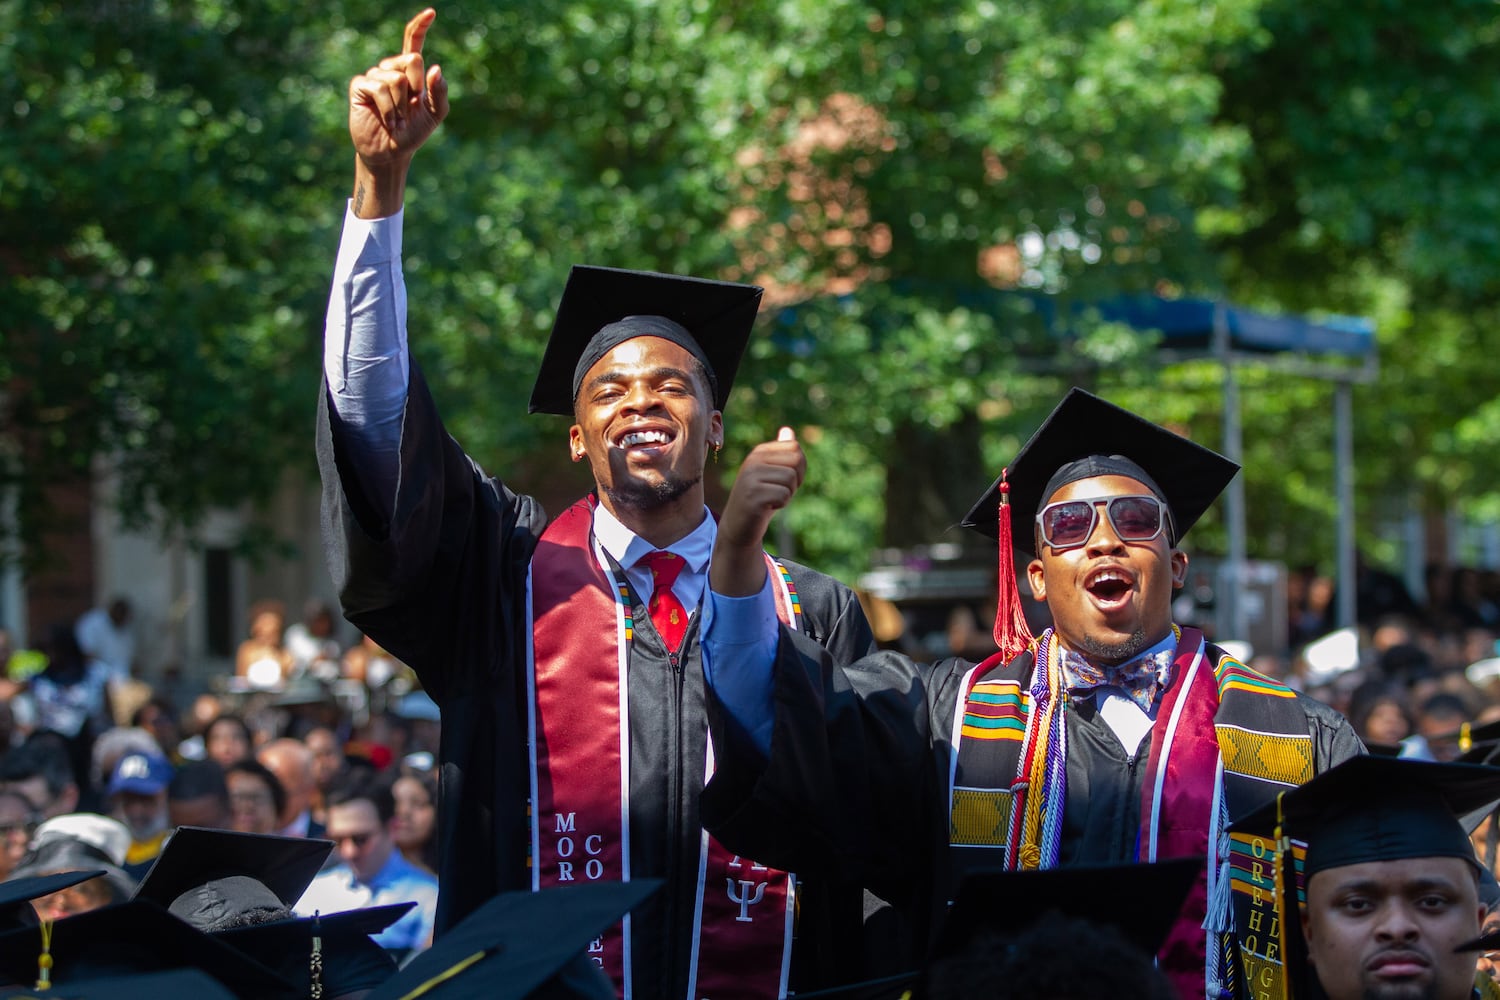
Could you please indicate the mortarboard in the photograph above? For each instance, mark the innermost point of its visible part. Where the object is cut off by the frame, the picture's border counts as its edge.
(1188, 476)
(339, 945)
(1141, 901)
(516, 942)
(194, 856)
(602, 307)
(1085, 436)
(16, 894)
(1367, 809)
(128, 938)
(148, 986)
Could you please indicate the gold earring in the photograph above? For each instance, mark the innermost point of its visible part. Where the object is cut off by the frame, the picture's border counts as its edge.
(717, 446)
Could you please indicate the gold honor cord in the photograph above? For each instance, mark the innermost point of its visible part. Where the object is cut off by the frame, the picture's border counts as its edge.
(1280, 875)
(446, 975)
(44, 960)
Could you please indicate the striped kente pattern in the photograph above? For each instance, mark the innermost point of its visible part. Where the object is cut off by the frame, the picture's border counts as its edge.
(996, 710)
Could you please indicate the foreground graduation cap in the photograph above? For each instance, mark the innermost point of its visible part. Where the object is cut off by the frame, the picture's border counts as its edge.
(711, 319)
(1367, 809)
(194, 856)
(518, 941)
(16, 895)
(148, 986)
(328, 956)
(1139, 900)
(1083, 437)
(127, 939)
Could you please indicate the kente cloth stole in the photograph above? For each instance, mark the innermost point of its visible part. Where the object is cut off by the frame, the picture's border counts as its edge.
(579, 723)
(1225, 739)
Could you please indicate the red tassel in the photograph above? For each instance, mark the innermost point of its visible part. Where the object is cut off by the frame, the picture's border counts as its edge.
(1012, 634)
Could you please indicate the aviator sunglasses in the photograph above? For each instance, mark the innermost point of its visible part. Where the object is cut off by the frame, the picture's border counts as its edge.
(1068, 524)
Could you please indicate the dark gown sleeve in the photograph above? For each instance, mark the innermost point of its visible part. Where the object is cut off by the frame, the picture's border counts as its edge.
(1334, 739)
(441, 585)
(855, 778)
(436, 583)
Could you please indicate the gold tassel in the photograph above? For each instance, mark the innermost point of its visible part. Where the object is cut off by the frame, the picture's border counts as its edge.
(44, 960)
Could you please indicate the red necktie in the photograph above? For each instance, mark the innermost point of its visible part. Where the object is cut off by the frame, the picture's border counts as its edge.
(667, 612)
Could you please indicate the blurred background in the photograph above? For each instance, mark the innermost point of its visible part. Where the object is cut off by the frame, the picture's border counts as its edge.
(1272, 226)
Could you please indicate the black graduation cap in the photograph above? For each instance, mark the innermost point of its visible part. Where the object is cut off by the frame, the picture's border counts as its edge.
(1366, 809)
(128, 938)
(1141, 901)
(711, 319)
(1381, 809)
(16, 894)
(1188, 476)
(349, 959)
(147, 986)
(195, 855)
(518, 941)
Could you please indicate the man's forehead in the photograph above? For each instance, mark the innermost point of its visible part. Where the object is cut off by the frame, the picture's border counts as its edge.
(1398, 874)
(1100, 486)
(643, 353)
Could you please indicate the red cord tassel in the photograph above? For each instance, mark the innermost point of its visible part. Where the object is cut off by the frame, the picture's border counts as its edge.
(1012, 634)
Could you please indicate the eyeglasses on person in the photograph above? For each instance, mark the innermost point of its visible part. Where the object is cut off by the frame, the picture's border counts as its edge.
(1067, 524)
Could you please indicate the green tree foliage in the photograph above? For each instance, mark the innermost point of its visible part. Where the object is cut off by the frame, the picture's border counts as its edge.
(159, 215)
(923, 189)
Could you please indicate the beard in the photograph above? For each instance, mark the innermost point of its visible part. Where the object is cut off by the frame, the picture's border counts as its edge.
(632, 494)
(1118, 652)
(144, 830)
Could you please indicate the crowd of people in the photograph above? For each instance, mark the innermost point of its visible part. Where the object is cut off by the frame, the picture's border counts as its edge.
(625, 751)
(102, 767)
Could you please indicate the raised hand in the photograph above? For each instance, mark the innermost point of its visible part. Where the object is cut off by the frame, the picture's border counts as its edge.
(393, 108)
(769, 478)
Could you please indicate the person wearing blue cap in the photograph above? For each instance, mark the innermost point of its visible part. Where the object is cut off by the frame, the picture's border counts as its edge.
(563, 653)
(137, 796)
(1114, 736)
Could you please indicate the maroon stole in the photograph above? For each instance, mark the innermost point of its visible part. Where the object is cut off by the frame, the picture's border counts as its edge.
(582, 632)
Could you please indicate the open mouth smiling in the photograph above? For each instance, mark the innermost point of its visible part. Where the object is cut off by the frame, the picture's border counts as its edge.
(644, 438)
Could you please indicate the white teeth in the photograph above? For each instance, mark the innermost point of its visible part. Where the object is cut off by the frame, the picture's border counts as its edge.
(1108, 577)
(643, 437)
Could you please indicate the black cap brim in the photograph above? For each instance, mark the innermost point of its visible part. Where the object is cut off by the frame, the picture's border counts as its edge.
(16, 894)
(194, 855)
(133, 937)
(718, 314)
(1190, 475)
(1373, 808)
(1141, 901)
(145, 986)
(525, 937)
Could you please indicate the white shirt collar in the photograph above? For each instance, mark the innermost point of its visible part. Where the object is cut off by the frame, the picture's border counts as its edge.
(626, 547)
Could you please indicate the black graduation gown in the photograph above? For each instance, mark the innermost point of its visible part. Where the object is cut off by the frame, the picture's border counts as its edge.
(442, 586)
(856, 786)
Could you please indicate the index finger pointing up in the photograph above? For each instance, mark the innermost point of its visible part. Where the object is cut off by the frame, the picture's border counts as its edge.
(416, 31)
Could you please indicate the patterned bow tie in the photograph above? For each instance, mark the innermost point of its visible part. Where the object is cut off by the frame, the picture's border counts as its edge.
(1141, 678)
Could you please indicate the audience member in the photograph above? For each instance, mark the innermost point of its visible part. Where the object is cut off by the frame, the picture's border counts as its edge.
(40, 770)
(137, 797)
(105, 634)
(311, 644)
(415, 827)
(262, 660)
(256, 798)
(17, 820)
(159, 718)
(227, 740)
(199, 796)
(372, 872)
(292, 763)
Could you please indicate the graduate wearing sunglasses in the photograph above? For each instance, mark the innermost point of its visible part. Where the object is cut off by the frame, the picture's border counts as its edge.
(1114, 736)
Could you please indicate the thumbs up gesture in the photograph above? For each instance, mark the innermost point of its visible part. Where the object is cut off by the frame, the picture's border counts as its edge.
(768, 479)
